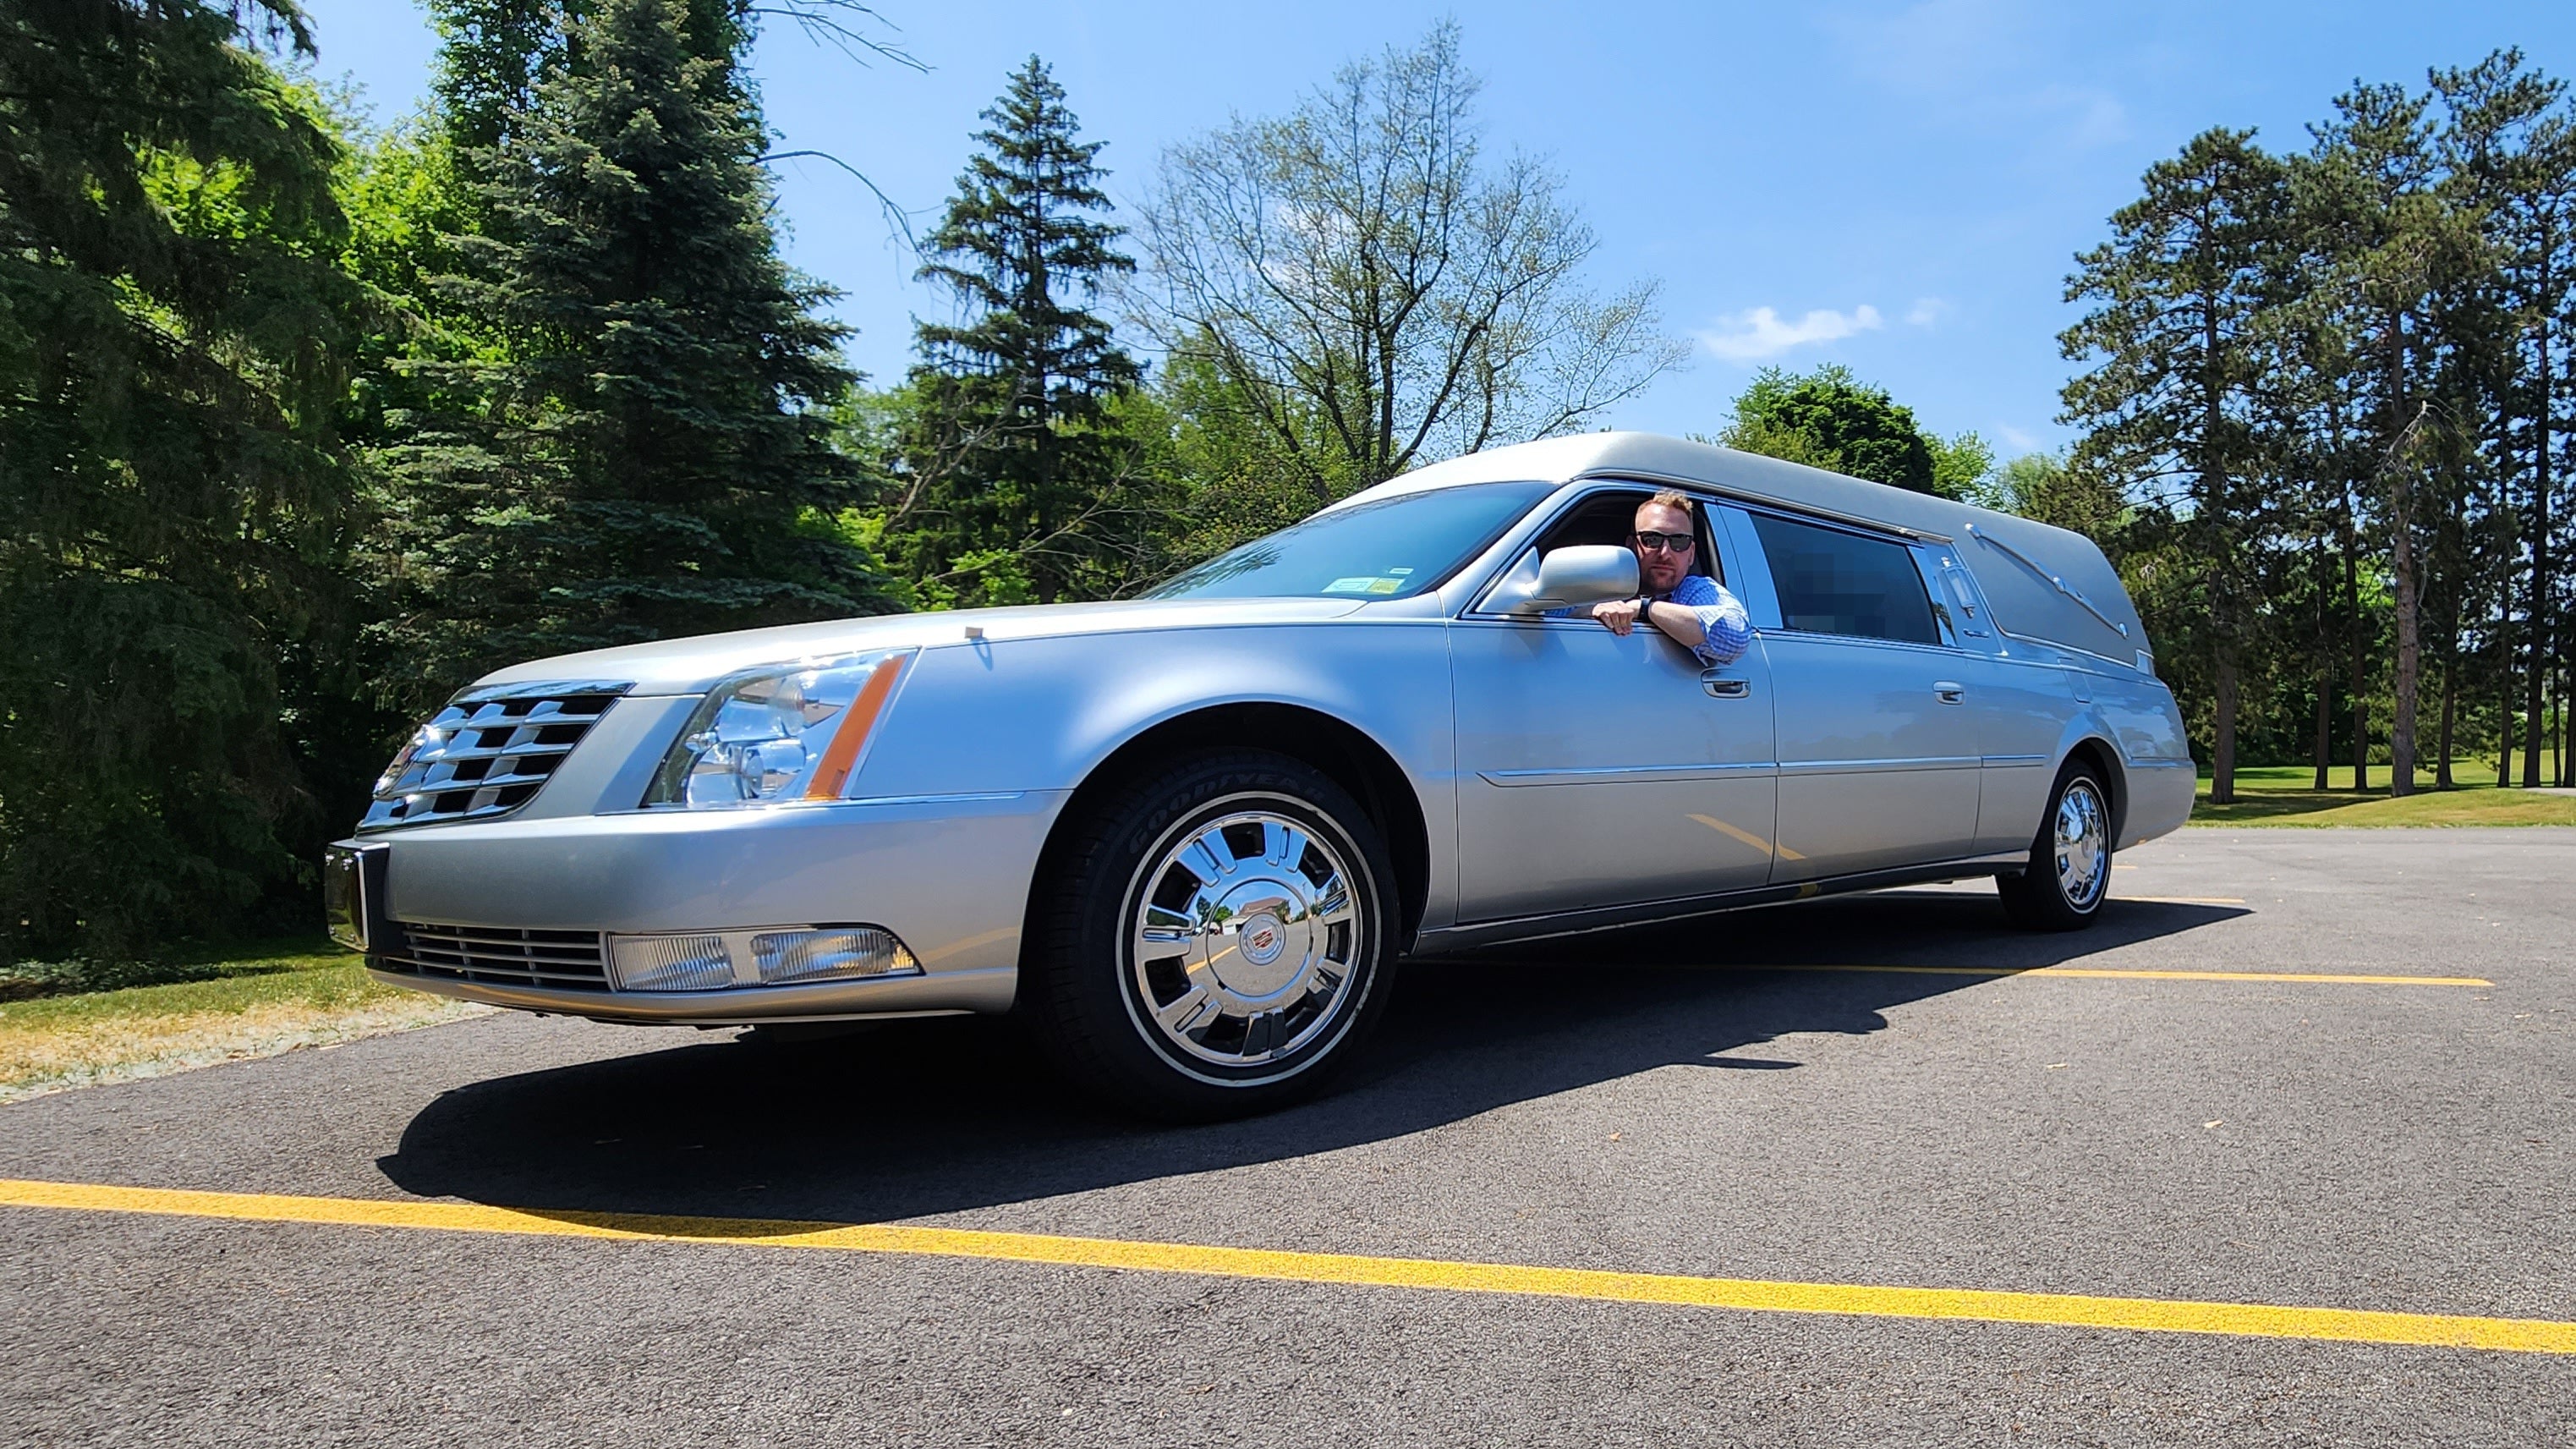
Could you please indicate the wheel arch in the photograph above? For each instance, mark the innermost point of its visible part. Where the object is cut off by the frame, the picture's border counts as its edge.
(1341, 751)
(2095, 751)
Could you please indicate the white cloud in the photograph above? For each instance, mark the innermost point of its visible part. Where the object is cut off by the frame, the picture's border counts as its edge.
(1926, 311)
(2015, 439)
(1759, 335)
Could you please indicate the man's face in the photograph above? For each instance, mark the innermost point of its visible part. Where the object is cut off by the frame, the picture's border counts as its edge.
(1661, 568)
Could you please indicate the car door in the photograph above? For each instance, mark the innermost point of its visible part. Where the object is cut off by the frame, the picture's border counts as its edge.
(2020, 696)
(1595, 770)
(1878, 751)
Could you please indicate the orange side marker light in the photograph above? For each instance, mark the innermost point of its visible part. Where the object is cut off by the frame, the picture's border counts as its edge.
(842, 755)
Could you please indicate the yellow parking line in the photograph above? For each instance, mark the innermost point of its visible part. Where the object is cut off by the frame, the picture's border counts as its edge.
(2101, 973)
(2256, 1320)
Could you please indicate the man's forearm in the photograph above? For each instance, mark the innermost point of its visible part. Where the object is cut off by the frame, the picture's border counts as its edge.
(1679, 622)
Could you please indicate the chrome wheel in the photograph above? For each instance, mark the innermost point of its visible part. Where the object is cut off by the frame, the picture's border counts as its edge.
(1242, 938)
(2083, 844)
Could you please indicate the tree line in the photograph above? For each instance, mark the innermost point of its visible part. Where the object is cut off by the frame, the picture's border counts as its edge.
(305, 423)
(2323, 399)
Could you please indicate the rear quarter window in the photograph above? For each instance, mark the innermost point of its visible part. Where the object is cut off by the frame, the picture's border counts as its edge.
(1833, 582)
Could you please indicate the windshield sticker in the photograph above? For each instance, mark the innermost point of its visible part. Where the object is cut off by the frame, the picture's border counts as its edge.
(1365, 584)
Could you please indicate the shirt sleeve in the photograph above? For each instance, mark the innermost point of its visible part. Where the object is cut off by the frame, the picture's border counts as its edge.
(1728, 629)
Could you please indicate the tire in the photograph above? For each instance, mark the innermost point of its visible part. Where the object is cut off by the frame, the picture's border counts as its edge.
(1213, 940)
(2069, 875)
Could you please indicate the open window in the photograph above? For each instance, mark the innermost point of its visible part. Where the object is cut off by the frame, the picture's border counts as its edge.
(1605, 517)
(1610, 516)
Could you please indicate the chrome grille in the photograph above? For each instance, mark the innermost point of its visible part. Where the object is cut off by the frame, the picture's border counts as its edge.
(563, 959)
(487, 752)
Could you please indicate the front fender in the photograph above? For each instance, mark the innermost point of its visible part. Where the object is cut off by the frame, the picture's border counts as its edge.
(1042, 714)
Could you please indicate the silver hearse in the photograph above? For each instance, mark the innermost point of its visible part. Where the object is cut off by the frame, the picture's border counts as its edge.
(1186, 836)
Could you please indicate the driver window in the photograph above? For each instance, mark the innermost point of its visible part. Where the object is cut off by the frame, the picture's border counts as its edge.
(1608, 518)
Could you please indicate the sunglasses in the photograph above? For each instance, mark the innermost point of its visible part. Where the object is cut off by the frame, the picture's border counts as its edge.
(1667, 542)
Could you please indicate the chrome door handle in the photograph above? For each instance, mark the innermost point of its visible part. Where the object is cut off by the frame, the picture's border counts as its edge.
(1949, 693)
(1720, 687)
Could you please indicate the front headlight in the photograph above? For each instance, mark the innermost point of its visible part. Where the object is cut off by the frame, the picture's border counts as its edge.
(791, 732)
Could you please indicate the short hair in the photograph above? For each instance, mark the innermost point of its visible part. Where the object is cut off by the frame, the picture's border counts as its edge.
(1669, 498)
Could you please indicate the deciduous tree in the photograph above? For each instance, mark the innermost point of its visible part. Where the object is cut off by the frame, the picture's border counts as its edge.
(1830, 419)
(1379, 292)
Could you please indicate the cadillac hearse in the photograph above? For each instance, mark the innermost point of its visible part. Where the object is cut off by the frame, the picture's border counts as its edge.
(1187, 837)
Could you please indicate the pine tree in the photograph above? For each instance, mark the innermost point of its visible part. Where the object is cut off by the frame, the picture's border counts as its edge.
(2176, 342)
(650, 458)
(2392, 247)
(2510, 149)
(492, 56)
(173, 346)
(1017, 471)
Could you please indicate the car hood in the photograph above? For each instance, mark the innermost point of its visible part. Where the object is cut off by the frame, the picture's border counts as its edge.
(693, 665)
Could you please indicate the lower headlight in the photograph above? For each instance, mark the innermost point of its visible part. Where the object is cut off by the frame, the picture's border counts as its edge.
(794, 732)
(834, 955)
(669, 963)
(708, 960)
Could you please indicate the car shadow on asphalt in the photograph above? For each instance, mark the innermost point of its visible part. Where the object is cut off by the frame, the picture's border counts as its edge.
(943, 1115)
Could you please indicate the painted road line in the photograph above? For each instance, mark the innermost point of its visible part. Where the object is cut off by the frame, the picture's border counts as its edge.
(2102, 973)
(2064, 1310)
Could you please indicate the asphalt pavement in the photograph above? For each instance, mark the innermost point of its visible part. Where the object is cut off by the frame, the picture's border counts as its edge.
(1726, 1100)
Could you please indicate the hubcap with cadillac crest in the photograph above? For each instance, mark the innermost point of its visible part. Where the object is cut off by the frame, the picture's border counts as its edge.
(1242, 937)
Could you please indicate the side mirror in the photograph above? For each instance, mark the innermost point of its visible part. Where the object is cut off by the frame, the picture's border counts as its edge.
(1567, 578)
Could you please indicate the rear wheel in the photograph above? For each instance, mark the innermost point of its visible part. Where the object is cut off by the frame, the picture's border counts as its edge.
(2069, 874)
(1214, 940)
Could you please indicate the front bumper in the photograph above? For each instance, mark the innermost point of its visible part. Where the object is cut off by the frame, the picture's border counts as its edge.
(952, 993)
(948, 876)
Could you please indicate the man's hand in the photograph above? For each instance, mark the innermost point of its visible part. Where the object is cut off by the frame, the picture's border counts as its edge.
(1619, 615)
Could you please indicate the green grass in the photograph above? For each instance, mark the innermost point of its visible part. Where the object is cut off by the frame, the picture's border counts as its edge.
(242, 1004)
(2282, 795)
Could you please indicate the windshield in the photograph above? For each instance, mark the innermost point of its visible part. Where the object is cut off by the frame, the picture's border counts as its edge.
(1390, 549)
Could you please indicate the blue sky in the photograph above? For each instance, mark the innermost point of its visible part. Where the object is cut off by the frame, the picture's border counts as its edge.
(1899, 188)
